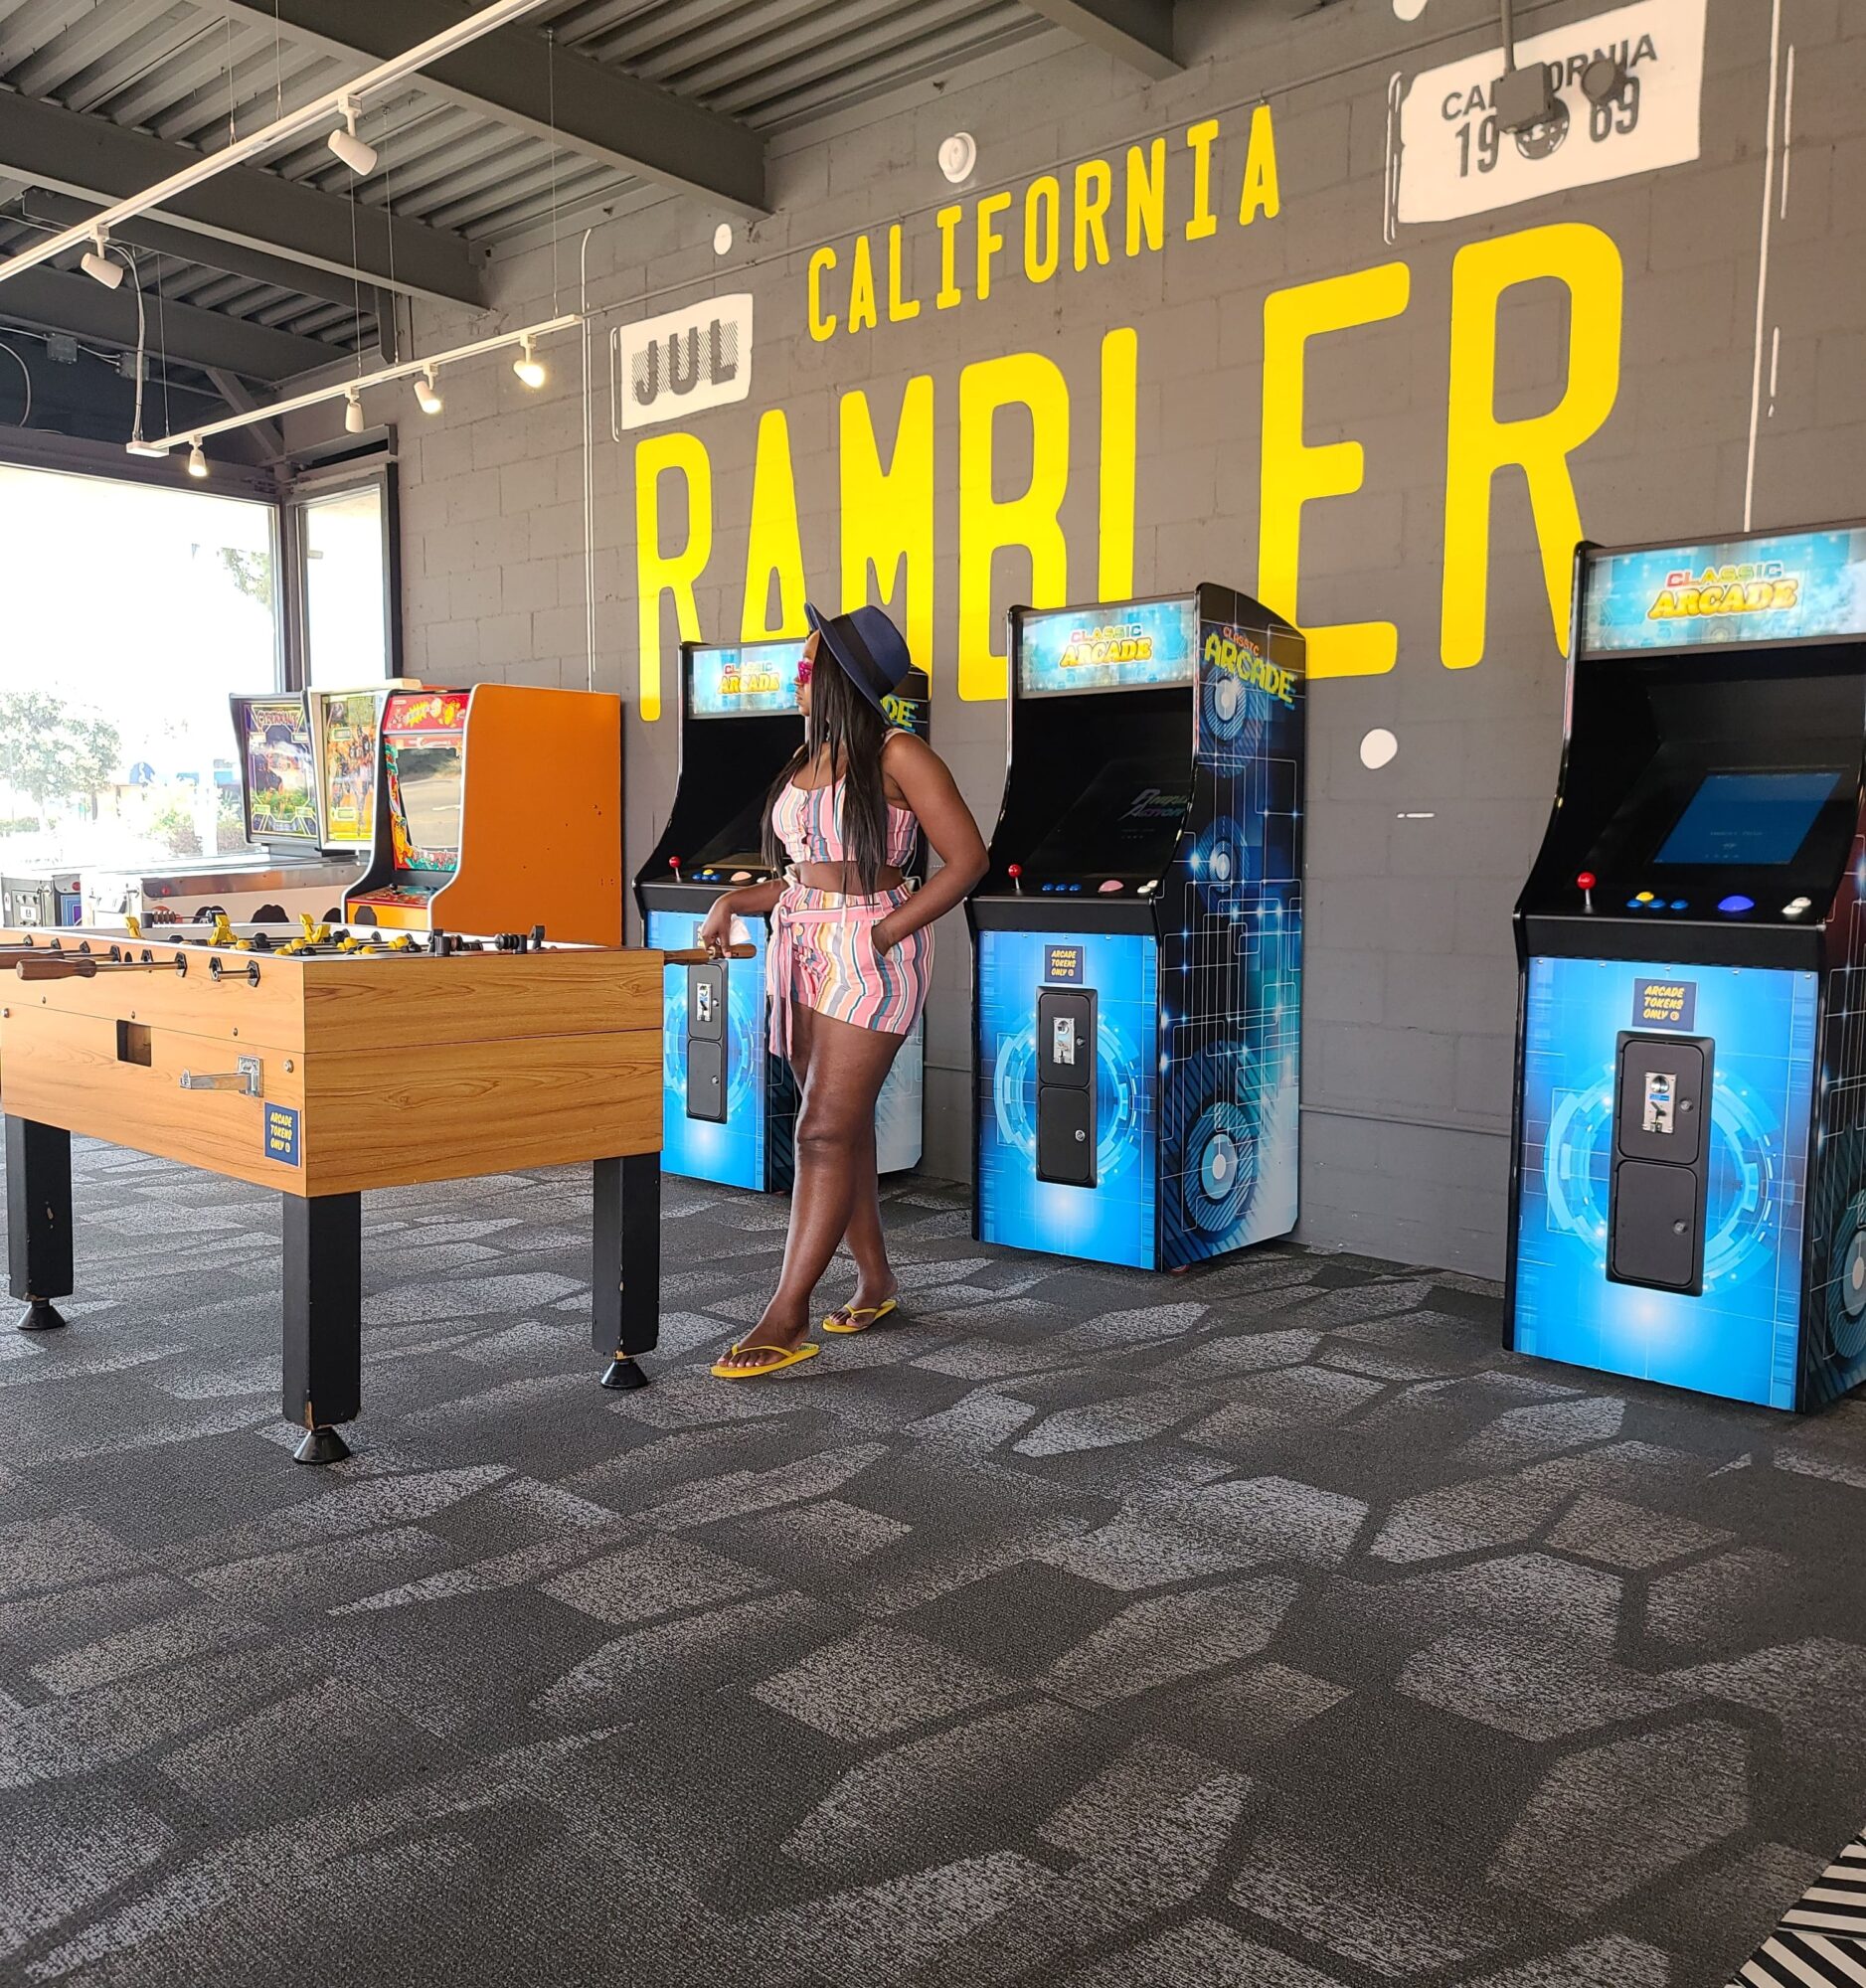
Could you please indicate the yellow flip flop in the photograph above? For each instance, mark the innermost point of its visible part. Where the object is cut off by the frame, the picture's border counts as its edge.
(781, 1357)
(868, 1314)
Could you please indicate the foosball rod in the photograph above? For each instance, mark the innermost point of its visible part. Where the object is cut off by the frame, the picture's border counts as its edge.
(79, 965)
(697, 956)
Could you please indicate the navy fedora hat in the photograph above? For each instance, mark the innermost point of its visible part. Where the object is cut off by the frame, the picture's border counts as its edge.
(869, 649)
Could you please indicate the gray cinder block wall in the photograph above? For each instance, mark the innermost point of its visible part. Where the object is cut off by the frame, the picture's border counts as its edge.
(1412, 870)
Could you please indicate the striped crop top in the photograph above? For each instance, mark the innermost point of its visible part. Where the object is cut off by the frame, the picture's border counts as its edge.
(808, 822)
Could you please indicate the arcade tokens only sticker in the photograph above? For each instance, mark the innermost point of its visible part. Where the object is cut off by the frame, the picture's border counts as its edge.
(282, 1134)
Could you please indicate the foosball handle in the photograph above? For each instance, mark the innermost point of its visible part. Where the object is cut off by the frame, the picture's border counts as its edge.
(61, 966)
(697, 956)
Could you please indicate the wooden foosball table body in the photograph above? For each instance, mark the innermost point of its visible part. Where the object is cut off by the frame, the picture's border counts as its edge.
(326, 1072)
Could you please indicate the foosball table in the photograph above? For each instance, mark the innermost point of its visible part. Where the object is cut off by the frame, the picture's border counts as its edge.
(323, 1064)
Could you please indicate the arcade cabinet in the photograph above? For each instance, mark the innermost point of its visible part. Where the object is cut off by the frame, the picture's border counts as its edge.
(1688, 1179)
(731, 1103)
(1138, 992)
(497, 809)
(44, 898)
(284, 872)
(344, 727)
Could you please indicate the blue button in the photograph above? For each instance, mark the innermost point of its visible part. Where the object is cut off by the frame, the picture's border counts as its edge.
(1736, 905)
(1049, 887)
(1680, 905)
(1634, 905)
(1074, 887)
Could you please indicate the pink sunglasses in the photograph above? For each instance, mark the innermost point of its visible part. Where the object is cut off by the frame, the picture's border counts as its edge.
(805, 666)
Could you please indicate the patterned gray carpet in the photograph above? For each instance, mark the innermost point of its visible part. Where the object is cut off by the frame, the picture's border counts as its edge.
(1267, 1628)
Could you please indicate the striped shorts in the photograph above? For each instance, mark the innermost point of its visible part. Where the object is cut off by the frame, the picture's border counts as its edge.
(822, 954)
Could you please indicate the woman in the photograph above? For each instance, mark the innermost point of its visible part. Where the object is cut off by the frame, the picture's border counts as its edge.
(850, 957)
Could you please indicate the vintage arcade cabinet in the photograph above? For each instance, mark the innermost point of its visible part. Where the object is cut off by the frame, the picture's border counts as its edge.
(345, 726)
(499, 809)
(285, 872)
(43, 897)
(731, 1103)
(1688, 1181)
(1138, 993)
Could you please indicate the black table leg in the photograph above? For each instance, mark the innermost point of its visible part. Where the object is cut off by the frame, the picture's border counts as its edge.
(39, 1219)
(324, 1364)
(625, 1272)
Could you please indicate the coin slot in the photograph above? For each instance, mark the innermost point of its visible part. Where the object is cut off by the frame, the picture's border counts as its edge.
(132, 1043)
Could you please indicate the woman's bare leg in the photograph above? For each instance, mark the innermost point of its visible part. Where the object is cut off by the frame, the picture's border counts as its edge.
(875, 1281)
(842, 1075)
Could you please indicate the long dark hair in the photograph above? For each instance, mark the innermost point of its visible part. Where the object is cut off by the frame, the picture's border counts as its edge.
(844, 721)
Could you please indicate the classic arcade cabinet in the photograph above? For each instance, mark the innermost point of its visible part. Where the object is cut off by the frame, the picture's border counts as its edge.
(49, 898)
(1138, 993)
(730, 1101)
(497, 809)
(345, 726)
(284, 871)
(1688, 1184)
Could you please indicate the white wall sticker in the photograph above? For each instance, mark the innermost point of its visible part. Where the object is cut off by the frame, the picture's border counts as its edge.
(1447, 157)
(666, 368)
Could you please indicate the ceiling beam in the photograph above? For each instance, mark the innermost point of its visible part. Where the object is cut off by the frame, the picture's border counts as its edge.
(1137, 32)
(513, 74)
(242, 399)
(50, 300)
(209, 252)
(89, 158)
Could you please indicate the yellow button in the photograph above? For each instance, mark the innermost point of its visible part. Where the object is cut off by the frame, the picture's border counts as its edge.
(1642, 897)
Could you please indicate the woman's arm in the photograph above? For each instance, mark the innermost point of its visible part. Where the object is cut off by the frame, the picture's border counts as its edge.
(753, 900)
(929, 789)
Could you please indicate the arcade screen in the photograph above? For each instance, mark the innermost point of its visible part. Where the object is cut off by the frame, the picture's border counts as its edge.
(344, 723)
(1122, 824)
(1756, 819)
(1129, 646)
(758, 677)
(739, 845)
(275, 746)
(426, 777)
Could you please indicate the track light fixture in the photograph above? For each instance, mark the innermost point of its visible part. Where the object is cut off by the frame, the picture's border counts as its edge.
(350, 391)
(426, 393)
(358, 155)
(530, 370)
(97, 265)
(307, 120)
(196, 461)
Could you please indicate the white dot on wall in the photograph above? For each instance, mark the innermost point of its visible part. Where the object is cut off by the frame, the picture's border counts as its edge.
(1408, 10)
(721, 237)
(1379, 747)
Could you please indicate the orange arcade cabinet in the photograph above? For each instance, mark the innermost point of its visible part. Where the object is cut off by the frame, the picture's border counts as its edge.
(498, 808)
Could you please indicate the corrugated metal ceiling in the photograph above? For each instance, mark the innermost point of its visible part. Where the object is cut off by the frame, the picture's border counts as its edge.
(192, 73)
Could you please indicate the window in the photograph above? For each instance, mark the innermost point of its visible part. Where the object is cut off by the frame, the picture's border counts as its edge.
(133, 611)
(343, 539)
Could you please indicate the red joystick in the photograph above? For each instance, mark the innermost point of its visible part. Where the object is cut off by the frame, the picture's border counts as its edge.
(1015, 871)
(673, 863)
(1585, 884)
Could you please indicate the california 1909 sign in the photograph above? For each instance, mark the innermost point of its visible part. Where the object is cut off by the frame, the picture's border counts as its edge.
(1449, 157)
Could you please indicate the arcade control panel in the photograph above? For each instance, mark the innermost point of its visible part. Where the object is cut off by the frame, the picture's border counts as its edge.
(1064, 887)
